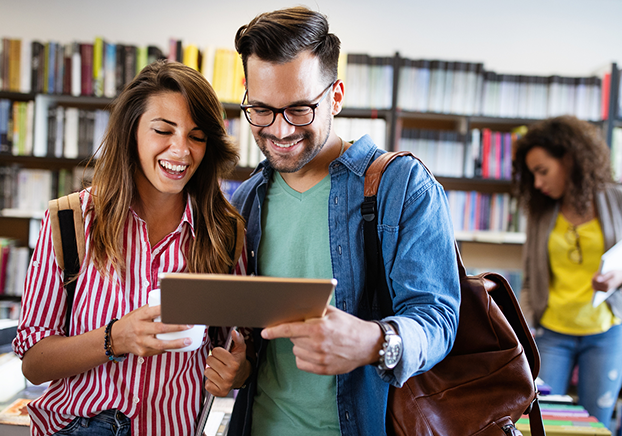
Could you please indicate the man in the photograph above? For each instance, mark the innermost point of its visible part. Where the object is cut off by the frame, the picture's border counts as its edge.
(302, 205)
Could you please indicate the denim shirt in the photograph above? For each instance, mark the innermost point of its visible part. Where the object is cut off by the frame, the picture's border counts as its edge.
(416, 237)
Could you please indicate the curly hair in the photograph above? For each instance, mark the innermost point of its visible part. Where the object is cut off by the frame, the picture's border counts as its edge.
(581, 144)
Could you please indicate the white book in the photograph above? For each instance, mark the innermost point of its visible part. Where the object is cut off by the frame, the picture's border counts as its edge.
(207, 63)
(72, 116)
(610, 261)
(60, 132)
(76, 70)
(25, 72)
(243, 141)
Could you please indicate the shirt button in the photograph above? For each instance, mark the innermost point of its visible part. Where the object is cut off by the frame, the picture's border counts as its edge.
(339, 249)
(253, 253)
(347, 416)
(135, 400)
(336, 200)
(141, 360)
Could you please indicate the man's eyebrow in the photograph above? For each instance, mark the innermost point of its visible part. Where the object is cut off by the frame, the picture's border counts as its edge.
(294, 103)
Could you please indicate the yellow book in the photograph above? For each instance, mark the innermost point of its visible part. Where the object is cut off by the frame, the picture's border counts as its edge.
(191, 56)
(238, 79)
(15, 53)
(341, 67)
(218, 82)
(98, 67)
(142, 58)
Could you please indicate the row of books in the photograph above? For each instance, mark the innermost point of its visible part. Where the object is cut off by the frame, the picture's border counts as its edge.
(16, 127)
(74, 132)
(368, 81)
(27, 191)
(472, 210)
(466, 88)
(95, 68)
(13, 265)
(482, 153)
(69, 132)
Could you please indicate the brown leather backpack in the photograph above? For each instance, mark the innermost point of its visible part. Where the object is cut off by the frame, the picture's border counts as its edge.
(487, 381)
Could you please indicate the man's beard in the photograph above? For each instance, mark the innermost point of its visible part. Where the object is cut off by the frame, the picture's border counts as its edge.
(306, 156)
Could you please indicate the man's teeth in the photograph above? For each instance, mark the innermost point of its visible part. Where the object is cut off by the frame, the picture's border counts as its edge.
(286, 145)
(171, 167)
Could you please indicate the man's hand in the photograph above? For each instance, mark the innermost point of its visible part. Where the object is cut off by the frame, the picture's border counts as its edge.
(337, 343)
(227, 370)
(607, 281)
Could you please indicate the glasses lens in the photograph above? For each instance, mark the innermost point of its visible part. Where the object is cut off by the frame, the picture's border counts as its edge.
(259, 116)
(299, 115)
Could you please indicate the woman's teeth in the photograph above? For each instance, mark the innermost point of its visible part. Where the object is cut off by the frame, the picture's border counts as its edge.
(171, 167)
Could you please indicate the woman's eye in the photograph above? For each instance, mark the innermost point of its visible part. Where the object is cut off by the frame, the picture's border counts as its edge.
(161, 132)
(196, 138)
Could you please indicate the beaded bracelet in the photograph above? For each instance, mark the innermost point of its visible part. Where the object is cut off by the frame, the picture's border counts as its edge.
(108, 344)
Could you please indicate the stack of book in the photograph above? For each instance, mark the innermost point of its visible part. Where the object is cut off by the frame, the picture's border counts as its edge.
(466, 88)
(473, 211)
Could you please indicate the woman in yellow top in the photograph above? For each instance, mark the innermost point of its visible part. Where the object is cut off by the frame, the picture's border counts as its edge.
(562, 176)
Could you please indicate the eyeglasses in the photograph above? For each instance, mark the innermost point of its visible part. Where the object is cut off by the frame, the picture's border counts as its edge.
(297, 115)
(574, 253)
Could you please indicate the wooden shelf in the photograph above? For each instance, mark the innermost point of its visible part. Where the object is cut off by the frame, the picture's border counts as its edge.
(475, 184)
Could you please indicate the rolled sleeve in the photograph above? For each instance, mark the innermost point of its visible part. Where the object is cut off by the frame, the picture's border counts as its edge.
(43, 302)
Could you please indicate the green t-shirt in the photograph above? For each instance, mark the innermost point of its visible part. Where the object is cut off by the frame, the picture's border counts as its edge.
(294, 243)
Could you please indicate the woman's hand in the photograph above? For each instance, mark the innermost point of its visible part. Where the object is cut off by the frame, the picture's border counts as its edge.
(607, 281)
(227, 370)
(136, 333)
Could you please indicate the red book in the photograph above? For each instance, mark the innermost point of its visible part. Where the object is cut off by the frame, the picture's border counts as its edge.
(486, 153)
(606, 87)
(86, 55)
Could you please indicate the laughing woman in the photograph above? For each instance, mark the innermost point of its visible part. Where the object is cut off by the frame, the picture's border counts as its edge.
(154, 206)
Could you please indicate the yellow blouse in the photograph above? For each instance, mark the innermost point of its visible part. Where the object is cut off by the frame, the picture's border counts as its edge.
(574, 258)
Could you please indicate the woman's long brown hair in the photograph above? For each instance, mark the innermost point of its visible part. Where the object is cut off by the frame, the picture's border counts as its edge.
(113, 187)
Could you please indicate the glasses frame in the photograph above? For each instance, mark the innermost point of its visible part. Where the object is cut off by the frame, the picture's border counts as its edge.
(575, 254)
(275, 111)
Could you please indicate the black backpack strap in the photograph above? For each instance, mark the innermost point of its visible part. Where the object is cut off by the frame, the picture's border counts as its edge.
(376, 288)
(72, 262)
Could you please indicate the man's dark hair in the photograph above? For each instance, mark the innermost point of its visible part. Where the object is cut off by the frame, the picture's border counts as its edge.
(280, 36)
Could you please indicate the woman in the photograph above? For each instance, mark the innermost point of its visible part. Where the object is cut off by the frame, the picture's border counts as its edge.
(562, 175)
(154, 206)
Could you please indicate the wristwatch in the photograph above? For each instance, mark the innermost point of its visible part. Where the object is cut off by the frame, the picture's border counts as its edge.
(391, 351)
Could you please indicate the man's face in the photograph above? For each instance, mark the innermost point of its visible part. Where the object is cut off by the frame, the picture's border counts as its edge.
(289, 148)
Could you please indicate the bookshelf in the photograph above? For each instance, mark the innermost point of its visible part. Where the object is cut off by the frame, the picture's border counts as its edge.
(384, 97)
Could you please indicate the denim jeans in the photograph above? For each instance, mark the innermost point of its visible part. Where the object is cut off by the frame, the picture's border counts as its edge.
(107, 423)
(599, 358)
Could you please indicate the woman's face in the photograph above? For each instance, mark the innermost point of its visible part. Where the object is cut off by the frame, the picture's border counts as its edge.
(170, 145)
(549, 173)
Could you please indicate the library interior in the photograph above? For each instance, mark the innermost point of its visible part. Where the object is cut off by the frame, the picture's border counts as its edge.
(455, 83)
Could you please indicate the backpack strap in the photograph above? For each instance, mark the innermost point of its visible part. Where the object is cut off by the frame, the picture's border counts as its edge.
(69, 243)
(376, 287)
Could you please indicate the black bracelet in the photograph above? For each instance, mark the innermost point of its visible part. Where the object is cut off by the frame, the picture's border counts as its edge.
(108, 344)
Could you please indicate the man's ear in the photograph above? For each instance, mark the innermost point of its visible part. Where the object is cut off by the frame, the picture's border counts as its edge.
(338, 96)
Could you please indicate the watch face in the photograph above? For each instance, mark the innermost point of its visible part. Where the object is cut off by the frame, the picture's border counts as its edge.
(393, 351)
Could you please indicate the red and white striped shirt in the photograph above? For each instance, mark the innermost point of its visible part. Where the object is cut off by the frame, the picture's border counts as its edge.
(160, 394)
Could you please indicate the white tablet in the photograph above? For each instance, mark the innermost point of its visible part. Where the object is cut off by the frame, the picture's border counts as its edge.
(244, 301)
